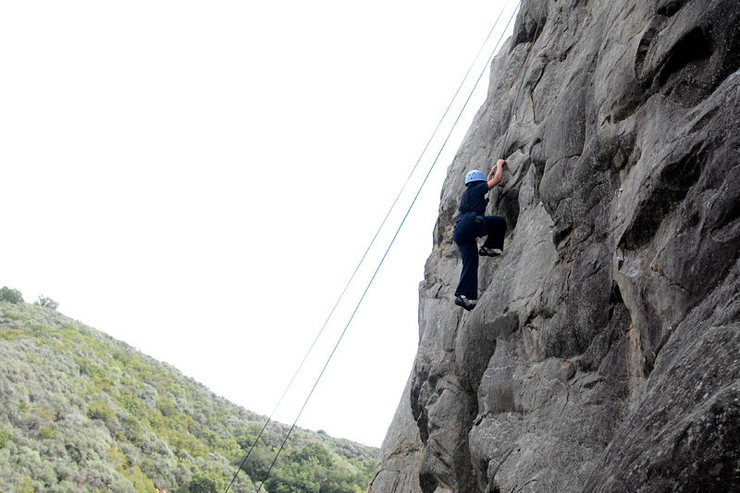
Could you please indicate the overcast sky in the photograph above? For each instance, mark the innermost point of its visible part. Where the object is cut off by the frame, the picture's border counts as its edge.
(199, 179)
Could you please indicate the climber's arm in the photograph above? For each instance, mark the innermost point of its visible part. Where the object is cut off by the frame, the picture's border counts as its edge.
(496, 174)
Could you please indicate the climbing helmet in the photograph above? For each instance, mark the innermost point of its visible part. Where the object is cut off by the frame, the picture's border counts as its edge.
(475, 175)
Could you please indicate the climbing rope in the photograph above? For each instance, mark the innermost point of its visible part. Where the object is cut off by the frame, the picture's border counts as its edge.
(367, 250)
(385, 255)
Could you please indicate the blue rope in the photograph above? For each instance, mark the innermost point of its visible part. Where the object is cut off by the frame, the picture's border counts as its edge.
(387, 250)
(367, 250)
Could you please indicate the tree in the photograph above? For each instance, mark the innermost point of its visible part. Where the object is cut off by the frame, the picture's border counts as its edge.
(10, 295)
(207, 482)
(47, 302)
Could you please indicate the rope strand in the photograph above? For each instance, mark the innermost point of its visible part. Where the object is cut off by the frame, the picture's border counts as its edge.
(380, 264)
(367, 250)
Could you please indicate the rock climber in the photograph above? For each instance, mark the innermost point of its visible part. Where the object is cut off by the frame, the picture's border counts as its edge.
(472, 223)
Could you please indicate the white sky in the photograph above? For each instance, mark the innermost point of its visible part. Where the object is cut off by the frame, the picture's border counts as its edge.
(199, 179)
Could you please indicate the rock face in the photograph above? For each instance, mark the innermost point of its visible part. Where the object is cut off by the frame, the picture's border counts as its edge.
(604, 353)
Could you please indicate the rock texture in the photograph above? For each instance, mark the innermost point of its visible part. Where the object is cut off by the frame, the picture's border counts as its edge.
(604, 352)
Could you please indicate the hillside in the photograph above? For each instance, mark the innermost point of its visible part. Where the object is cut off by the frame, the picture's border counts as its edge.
(80, 411)
(602, 355)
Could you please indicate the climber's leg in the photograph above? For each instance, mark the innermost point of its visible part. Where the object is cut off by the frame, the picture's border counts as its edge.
(468, 285)
(494, 227)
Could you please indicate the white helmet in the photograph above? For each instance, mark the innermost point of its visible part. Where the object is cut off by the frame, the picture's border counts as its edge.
(475, 175)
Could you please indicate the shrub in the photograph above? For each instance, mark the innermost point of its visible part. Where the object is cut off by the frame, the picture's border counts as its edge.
(99, 410)
(15, 315)
(47, 302)
(27, 486)
(46, 433)
(140, 480)
(4, 437)
(10, 295)
(207, 482)
(166, 407)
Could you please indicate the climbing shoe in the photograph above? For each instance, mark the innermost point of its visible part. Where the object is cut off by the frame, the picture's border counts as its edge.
(490, 252)
(463, 301)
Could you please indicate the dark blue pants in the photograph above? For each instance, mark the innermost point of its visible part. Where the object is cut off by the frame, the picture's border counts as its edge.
(467, 229)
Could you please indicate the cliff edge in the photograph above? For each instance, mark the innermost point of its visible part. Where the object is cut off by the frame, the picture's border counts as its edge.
(604, 352)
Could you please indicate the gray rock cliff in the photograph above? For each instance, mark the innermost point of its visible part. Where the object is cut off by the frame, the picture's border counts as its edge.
(604, 352)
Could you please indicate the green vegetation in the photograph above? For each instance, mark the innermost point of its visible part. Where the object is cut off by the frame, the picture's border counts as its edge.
(47, 302)
(46, 433)
(212, 481)
(80, 411)
(10, 295)
(314, 469)
(4, 437)
(99, 410)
